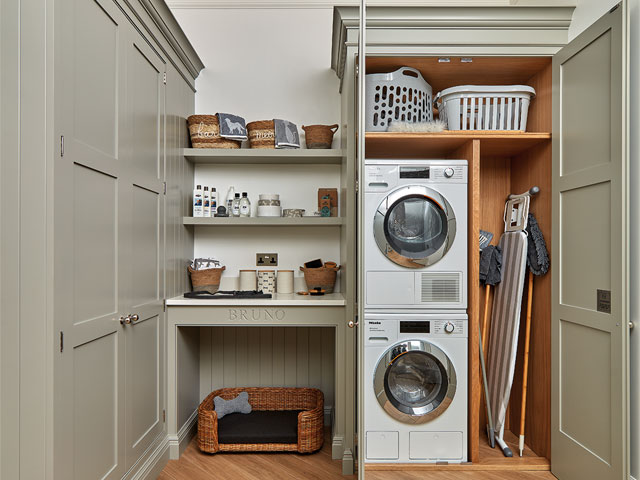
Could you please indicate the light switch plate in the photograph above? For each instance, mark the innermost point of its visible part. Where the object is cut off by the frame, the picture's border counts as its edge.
(266, 259)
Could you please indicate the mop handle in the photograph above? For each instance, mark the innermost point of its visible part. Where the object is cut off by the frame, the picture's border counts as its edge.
(529, 193)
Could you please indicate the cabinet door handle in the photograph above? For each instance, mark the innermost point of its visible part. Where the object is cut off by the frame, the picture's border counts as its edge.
(125, 320)
(352, 324)
(134, 318)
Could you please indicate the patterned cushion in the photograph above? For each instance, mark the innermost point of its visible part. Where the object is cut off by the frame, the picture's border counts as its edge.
(240, 404)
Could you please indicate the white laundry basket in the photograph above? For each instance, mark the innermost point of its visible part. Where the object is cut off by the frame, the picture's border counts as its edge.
(485, 107)
(400, 96)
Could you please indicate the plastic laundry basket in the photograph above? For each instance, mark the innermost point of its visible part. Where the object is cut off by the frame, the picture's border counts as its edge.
(402, 95)
(480, 107)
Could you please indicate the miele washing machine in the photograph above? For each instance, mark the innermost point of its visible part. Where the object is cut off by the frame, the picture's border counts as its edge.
(415, 388)
(415, 239)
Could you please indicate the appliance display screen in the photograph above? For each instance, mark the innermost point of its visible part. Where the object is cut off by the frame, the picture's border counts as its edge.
(414, 172)
(415, 327)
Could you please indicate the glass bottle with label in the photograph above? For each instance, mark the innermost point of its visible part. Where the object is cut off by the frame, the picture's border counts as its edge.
(235, 206)
(245, 206)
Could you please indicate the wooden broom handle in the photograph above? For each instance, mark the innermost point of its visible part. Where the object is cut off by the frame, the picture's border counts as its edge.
(525, 369)
(485, 324)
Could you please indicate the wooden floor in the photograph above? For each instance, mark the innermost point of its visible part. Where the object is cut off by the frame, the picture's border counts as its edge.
(457, 475)
(195, 465)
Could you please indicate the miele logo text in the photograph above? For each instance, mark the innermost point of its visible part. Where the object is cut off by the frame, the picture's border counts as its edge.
(242, 314)
(375, 323)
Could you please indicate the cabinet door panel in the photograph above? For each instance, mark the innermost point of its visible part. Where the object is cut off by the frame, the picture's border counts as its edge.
(590, 333)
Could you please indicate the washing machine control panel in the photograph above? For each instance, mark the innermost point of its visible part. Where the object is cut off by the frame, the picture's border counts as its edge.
(449, 327)
(389, 331)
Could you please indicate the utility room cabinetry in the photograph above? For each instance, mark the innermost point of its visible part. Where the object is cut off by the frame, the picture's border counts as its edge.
(124, 85)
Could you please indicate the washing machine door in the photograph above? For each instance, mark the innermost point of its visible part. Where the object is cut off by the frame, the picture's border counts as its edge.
(415, 381)
(414, 226)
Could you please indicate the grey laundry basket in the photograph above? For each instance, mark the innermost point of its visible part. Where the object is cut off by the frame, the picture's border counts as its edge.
(402, 96)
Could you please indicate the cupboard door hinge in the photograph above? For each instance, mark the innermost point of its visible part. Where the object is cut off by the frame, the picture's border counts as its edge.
(61, 342)
(164, 188)
(164, 78)
(61, 145)
(357, 186)
(357, 70)
(164, 416)
(164, 304)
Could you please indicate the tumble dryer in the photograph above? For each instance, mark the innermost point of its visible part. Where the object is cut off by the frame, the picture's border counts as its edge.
(415, 388)
(415, 239)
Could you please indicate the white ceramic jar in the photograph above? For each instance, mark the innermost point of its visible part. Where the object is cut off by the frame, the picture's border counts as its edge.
(248, 280)
(285, 281)
(267, 281)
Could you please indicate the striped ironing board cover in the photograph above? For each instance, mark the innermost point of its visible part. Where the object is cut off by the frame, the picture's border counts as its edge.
(505, 324)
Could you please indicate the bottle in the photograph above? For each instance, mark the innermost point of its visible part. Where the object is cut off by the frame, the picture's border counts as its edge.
(197, 201)
(206, 203)
(230, 196)
(245, 206)
(235, 206)
(214, 201)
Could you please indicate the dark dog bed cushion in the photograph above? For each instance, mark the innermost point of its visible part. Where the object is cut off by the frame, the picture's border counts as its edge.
(259, 427)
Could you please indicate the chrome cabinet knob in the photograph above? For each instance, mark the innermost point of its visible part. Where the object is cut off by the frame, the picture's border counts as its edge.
(352, 324)
(134, 318)
(125, 320)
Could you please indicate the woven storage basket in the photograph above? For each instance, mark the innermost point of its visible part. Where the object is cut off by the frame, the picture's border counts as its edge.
(322, 277)
(206, 280)
(310, 419)
(319, 136)
(205, 133)
(262, 134)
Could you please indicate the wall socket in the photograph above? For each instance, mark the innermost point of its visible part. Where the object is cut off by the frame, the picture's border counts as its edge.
(266, 259)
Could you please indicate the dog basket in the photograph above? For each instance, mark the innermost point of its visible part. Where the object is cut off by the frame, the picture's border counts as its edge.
(323, 277)
(476, 107)
(205, 133)
(400, 96)
(262, 134)
(206, 280)
(310, 402)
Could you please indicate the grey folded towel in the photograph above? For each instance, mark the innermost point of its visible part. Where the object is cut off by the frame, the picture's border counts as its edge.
(286, 134)
(232, 126)
(491, 265)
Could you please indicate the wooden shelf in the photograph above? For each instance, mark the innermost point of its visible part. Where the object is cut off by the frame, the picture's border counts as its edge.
(248, 156)
(264, 221)
(424, 145)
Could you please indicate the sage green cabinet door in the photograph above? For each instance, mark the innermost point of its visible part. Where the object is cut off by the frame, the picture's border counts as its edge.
(145, 247)
(90, 274)
(590, 245)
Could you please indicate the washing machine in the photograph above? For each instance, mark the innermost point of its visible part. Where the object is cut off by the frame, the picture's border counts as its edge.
(415, 239)
(415, 388)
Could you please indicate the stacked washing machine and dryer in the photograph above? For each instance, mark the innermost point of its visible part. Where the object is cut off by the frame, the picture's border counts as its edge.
(415, 288)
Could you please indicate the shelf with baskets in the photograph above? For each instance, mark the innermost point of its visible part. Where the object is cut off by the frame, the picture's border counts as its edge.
(494, 143)
(264, 221)
(238, 156)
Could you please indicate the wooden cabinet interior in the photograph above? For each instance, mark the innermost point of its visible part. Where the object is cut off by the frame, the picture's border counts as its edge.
(500, 163)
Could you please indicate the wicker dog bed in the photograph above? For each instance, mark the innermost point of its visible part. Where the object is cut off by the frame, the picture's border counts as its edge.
(310, 425)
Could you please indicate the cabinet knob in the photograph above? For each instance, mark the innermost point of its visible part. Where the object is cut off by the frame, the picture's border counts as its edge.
(134, 318)
(352, 324)
(125, 320)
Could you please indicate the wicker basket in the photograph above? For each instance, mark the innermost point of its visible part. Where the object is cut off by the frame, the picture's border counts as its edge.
(205, 133)
(310, 420)
(206, 280)
(323, 277)
(319, 136)
(262, 134)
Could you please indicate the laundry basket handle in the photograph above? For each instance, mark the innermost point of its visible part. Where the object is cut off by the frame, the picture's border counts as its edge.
(410, 72)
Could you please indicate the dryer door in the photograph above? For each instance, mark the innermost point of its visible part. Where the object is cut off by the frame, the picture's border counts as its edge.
(414, 226)
(415, 381)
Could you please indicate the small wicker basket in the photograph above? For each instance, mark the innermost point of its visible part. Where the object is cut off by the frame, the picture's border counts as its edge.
(205, 133)
(323, 277)
(206, 280)
(262, 134)
(319, 136)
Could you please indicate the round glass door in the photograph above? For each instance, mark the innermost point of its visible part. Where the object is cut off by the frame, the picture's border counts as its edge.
(414, 226)
(415, 382)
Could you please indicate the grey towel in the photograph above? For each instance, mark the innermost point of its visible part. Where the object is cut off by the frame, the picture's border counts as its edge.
(232, 126)
(286, 134)
(537, 255)
(490, 265)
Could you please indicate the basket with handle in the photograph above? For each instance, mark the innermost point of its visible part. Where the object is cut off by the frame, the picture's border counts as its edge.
(323, 277)
(319, 136)
(400, 96)
(206, 280)
(485, 107)
(205, 133)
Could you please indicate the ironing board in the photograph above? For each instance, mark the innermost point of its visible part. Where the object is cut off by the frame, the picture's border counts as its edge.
(505, 325)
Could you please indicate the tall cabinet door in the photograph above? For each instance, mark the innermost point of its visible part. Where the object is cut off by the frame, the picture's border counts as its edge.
(90, 208)
(145, 247)
(590, 248)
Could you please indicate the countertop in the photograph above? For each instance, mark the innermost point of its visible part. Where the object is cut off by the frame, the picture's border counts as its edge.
(278, 300)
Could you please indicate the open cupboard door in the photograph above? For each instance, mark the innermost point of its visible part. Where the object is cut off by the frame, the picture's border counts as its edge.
(589, 421)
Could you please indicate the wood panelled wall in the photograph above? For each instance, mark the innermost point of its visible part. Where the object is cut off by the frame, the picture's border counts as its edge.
(267, 356)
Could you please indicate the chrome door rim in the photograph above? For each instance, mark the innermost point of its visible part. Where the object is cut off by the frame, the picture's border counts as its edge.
(380, 219)
(425, 413)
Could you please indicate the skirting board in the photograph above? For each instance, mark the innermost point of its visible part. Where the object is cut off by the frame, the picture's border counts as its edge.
(177, 443)
(152, 462)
